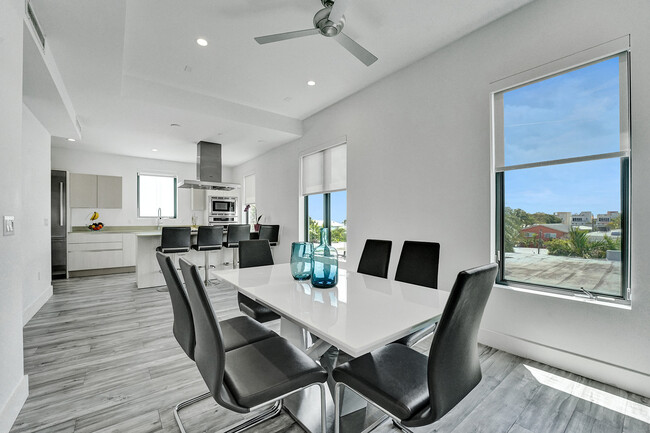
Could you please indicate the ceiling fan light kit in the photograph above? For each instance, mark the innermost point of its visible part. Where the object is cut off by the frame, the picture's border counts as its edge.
(329, 22)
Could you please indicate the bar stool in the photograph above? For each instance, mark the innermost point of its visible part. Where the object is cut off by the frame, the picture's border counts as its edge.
(270, 232)
(209, 238)
(236, 233)
(174, 240)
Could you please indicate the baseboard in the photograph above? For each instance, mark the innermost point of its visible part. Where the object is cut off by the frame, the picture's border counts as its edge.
(103, 271)
(628, 379)
(9, 412)
(33, 308)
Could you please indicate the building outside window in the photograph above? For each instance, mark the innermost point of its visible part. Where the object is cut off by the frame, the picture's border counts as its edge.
(562, 148)
(157, 196)
(325, 197)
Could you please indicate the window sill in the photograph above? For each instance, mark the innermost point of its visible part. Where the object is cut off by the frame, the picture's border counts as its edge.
(604, 301)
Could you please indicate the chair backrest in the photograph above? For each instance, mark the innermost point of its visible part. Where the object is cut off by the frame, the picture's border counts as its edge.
(418, 263)
(238, 232)
(454, 368)
(209, 351)
(175, 239)
(270, 232)
(209, 236)
(375, 258)
(183, 322)
(255, 252)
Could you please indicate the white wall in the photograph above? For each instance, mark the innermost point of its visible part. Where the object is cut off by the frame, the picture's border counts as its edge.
(35, 177)
(128, 168)
(421, 138)
(13, 384)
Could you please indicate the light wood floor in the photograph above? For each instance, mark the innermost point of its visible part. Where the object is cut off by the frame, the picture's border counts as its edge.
(101, 357)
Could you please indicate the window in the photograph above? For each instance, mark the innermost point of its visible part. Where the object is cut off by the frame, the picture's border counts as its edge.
(325, 198)
(562, 148)
(157, 196)
(250, 209)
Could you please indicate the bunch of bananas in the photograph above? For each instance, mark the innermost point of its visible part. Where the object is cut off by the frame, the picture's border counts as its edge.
(97, 225)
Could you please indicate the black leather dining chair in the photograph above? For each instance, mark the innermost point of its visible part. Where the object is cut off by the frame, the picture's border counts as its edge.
(208, 239)
(375, 258)
(237, 331)
(255, 253)
(418, 264)
(174, 240)
(253, 376)
(236, 233)
(416, 390)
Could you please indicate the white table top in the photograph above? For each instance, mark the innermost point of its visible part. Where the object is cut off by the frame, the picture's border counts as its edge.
(360, 314)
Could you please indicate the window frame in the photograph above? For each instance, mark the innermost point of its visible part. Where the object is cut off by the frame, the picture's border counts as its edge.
(139, 215)
(617, 48)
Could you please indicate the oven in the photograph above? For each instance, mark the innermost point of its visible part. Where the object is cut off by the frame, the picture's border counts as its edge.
(223, 211)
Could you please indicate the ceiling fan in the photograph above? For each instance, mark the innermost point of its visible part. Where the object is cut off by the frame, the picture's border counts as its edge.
(329, 22)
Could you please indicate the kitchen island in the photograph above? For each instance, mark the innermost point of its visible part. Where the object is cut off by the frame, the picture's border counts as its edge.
(147, 270)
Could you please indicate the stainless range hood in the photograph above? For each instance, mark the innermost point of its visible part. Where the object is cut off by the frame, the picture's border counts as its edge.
(208, 169)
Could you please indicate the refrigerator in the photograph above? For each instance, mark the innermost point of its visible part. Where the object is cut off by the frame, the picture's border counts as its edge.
(59, 225)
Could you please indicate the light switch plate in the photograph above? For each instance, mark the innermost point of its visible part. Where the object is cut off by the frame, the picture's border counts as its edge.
(8, 226)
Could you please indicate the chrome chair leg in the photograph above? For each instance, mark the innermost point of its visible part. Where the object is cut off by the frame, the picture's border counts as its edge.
(185, 404)
(266, 415)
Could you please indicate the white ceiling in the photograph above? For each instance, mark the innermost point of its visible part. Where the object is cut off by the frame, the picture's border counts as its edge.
(132, 67)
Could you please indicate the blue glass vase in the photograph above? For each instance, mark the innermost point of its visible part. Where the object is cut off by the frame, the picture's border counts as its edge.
(326, 263)
(301, 265)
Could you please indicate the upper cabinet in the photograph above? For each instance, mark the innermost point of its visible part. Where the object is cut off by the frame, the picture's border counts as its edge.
(198, 199)
(93, 191)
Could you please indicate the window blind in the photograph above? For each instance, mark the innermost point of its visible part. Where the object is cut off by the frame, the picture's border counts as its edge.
(325, 171)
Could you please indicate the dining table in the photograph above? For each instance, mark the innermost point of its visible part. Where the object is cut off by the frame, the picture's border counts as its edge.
(360, 314)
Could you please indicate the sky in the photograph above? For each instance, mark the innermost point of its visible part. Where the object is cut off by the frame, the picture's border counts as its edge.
(569, 115)
(338, 206)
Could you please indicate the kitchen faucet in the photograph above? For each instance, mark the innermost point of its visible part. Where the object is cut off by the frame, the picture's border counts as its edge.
(159, 218)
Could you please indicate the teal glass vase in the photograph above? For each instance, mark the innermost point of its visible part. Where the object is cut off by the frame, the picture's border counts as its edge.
(325, 272)
(301, 260)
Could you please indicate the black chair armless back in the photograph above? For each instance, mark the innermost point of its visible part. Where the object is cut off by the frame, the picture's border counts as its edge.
(255, 253)
(175, 239)
(210, 237)
(454, 369)
(270, 232)
(375, 258)
(183, 323)
(209, 351)
(238, 232)
(418, 263)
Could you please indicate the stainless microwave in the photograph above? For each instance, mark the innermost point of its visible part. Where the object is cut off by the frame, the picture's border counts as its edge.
(223, 206)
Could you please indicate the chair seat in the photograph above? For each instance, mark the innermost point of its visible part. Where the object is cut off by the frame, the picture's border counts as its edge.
(413, 338)
(394, 377)
(172, 250)
(265, 370)
(206, 247)
(242, 330)
(255, 310)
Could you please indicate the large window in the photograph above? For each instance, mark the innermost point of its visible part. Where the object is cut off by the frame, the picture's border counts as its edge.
(325, 197)
(562, 177)
(157, 196)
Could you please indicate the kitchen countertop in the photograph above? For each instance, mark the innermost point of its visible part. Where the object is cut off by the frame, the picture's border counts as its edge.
(120, 229)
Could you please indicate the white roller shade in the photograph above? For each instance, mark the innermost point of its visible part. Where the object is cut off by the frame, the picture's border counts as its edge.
(325, 171)
(249, 189)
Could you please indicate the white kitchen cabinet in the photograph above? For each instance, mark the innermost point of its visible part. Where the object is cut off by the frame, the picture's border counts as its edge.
(128, 249)
(199, 199)
(95, 251)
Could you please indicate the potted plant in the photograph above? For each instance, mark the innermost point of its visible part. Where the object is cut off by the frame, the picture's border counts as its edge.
(257, 224)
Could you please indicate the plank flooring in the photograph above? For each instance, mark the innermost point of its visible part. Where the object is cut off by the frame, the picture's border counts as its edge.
(101, 357)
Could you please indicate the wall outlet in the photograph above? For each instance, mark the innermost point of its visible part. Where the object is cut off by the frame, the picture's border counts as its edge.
(46, 222)
(8, 226)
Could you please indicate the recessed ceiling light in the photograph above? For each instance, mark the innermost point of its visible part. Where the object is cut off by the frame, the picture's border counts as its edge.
(311, 83)
(202, 42)
(154, 150)
(71, 139)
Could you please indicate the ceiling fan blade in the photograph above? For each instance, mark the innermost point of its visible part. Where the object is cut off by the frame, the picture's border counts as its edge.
(338, 10)
(284, 36)
(355, 49)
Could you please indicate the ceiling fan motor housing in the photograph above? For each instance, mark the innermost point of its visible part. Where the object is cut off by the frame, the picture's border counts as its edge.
(327, 27)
